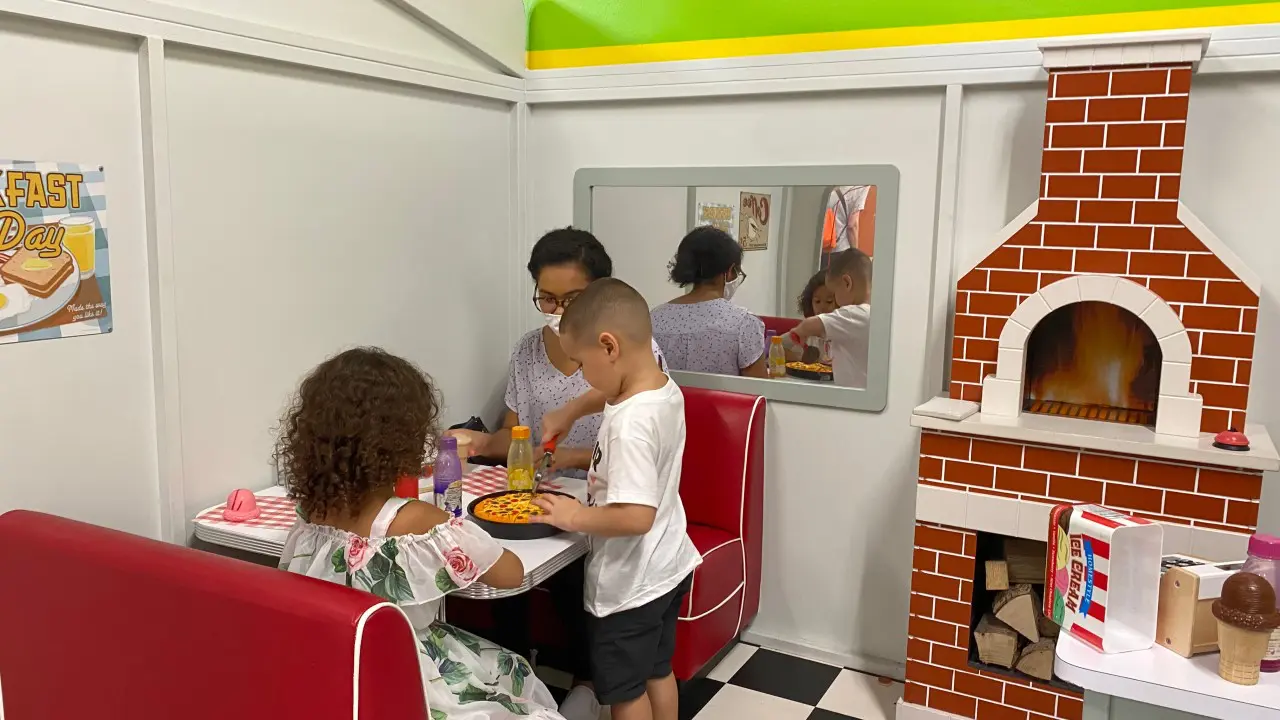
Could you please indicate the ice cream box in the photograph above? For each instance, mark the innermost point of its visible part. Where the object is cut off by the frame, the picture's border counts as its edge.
(1188, 587)
(1102, 578)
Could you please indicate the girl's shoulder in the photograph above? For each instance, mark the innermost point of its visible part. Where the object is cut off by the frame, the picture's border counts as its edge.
(406, 569)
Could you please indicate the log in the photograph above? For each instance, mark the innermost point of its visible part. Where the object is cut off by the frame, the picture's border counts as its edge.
(1018, 607)
(997, 575)
(1047, 627)
(997, 642)
(1036, 660)
(1026, 560)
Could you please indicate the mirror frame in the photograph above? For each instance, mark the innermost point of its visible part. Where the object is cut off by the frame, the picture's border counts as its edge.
(886, 178)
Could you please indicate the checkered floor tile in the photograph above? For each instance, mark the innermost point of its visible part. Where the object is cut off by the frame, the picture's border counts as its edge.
(753, 683)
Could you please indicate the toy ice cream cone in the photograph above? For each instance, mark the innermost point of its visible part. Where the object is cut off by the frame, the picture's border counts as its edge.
(1246, 613)
(1242, 652)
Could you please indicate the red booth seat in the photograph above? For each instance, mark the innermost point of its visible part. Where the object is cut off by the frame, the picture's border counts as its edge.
(100, 624)
(722, 486)
(779, 325)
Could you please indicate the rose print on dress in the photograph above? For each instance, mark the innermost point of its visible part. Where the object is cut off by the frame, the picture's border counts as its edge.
(461, 566)
(358, 553)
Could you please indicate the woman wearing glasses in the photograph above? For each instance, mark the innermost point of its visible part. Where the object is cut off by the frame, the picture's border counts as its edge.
(702, 331)
(542, 378)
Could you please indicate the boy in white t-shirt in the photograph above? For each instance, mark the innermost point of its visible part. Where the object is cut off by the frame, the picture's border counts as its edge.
(848, 326)
(641, 561)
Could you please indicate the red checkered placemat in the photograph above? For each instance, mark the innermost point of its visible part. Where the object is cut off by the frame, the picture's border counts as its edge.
(485, 480)
(278, 512)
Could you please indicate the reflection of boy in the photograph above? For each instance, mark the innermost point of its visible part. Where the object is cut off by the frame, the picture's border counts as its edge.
(848, 326)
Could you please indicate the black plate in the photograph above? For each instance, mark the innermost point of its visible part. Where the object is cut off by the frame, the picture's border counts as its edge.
(810, 375)
(514, 531)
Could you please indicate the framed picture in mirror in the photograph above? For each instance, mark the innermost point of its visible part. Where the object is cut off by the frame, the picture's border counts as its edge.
(776, 281)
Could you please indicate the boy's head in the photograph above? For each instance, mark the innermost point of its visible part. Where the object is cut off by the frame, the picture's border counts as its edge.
(849, 277)
(359, 421)
(607, 330)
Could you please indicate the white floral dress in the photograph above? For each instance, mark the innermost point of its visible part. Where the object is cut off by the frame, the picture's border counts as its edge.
(464, 677)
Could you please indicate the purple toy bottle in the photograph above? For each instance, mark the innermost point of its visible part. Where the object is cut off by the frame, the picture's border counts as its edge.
(1264, 560)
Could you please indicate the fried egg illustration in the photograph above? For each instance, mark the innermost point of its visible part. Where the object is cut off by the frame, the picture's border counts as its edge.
(14, 300)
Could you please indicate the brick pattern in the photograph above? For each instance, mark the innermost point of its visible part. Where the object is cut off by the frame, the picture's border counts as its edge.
(938, 672)
(1109, 188)
(1208, 497)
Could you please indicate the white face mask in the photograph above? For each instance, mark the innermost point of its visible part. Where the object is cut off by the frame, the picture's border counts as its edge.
(553, 321)
(732, 286)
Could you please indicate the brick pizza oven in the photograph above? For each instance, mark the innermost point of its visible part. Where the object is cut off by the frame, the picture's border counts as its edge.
(1105, 337)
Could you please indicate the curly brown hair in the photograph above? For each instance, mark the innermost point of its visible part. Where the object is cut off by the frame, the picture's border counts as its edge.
(358, 422)
(805, 301)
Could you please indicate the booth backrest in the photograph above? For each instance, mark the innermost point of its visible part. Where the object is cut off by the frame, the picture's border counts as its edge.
(100, 624)
(779, 325)
(722, 478)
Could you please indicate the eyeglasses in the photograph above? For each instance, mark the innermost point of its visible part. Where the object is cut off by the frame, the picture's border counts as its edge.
(548, 303)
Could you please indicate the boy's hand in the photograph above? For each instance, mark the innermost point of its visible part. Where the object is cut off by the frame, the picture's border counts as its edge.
(560, 511)
(558, 423)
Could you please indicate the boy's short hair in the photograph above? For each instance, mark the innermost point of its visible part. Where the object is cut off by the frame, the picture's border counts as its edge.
(608, 305)
(852, 262)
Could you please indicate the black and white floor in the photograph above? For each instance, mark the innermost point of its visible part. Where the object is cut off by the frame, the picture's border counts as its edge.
(754, 683)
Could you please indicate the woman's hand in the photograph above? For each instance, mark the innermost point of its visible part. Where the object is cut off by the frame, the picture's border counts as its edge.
(479, 442)
(560, 511)
(572, 459)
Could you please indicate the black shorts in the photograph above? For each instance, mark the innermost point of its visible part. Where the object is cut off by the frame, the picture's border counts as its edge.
(632, 647)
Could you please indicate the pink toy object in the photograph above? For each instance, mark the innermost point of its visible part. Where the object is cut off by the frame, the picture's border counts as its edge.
(241, 506)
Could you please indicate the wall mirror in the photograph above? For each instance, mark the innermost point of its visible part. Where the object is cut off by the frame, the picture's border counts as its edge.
(729, 257)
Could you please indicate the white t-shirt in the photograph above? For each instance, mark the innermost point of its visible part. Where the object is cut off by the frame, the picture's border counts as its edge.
(855, 200)
(637, 462)
(848, 330)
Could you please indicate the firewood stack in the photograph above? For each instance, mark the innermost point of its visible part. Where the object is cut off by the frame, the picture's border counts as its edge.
(1016, 634)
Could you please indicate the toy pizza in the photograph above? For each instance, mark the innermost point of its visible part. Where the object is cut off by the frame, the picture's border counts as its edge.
(509, 507)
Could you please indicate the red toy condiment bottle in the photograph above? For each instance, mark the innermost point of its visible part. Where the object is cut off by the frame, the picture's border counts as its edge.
(407, 487)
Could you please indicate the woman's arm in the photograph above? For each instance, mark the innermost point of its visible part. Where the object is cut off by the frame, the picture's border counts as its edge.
(490, 445)
(757, 369)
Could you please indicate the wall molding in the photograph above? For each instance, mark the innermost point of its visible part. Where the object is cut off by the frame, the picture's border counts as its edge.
(153, 91)
(182, 27)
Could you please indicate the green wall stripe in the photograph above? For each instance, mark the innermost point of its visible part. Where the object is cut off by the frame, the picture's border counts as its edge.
(570, 24)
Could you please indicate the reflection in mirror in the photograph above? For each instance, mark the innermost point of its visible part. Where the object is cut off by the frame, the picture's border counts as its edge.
(752, 281)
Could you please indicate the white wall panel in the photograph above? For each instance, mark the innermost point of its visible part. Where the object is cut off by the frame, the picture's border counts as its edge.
(313, 213)
(77, 430)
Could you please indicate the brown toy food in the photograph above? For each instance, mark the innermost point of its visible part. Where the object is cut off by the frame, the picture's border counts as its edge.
(1246, 614)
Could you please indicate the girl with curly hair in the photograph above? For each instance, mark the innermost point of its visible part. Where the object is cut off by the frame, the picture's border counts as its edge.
(359, 421)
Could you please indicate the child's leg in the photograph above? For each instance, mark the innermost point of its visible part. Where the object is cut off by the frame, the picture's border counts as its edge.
(638, 709)
(663, 693)
(664, 697)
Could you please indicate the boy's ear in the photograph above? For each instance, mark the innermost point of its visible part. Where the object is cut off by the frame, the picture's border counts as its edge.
(609, 342)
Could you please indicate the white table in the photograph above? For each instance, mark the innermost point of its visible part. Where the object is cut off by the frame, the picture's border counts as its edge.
(1159, 683)
(541, 558)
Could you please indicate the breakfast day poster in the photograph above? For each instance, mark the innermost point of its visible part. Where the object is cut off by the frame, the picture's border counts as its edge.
(55, 279)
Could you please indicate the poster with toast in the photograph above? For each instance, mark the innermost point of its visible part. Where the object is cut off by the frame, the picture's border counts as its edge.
(54, 275)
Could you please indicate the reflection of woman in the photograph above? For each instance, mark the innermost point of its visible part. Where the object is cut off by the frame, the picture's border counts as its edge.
(702, 331)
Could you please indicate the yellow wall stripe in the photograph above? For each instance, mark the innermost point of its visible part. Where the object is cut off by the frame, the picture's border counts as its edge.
(896, 37)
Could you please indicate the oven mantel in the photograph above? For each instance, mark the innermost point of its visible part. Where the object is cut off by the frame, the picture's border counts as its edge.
(1110, 437)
